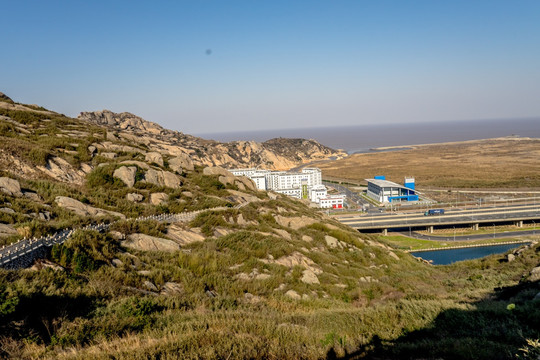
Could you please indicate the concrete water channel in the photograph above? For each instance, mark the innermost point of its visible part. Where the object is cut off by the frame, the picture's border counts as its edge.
(448, 256)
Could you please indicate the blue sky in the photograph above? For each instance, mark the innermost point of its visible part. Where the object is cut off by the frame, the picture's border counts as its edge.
(275, 64)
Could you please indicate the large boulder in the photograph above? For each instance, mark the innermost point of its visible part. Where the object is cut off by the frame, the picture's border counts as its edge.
(216, 170)
(140, 164)
(162, 178)
(535, 274)
(244, 183)
(181, 163)
(7, 230)
(294, 223)
(158, 198)
(82, 209)
(134, 197)
(241, 197)
(10, 186)
(154, 157)
(126, 174)
(332, 242)
(145, 242)
(293, 295)
(309, 277)
(183, 236)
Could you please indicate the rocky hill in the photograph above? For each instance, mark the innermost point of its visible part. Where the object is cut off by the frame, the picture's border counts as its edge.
(275, 154)
(239, 273)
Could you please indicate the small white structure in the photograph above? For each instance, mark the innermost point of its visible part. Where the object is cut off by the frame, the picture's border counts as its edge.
(317, 192)
(332, 202)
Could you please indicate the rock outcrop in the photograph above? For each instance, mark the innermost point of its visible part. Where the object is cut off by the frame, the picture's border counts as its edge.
(182, 236)
(145, 242)
(154, 157)
(10, 186)
(59, 169)
(294, 223)
(82, 209)
(535, 274)
(124, 121)
(186, 150)
(134, 197)
(7, 230)
(158, 198)
(4, 97)
(181, 163)
(126, 174)
(162, 178)
(216, 170)
(226, 177)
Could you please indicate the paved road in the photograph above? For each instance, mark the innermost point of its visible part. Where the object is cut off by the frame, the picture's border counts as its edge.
(468, 216)
(353, 196)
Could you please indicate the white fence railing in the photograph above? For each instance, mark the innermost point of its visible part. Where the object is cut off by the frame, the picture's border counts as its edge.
(12, 252)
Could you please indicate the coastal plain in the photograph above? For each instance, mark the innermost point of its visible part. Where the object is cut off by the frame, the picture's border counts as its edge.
(505, 163)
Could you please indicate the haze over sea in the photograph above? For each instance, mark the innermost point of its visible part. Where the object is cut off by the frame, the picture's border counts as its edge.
(363, 138)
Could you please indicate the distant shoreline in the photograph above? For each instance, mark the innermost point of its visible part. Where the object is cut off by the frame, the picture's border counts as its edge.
(389, 137)
(410, 147)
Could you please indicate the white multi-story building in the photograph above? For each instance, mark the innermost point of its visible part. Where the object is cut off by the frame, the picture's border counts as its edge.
(258, 176)
(313, 176)
(280, 180)
(295, 193)
(304, 184)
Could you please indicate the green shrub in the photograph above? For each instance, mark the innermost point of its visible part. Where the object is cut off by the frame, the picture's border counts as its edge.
(85, 251)
(38, 156)
(8, 301)
(102, 176)
(149, 227)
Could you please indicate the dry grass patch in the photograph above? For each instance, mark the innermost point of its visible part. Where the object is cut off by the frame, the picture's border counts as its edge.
(495, 163)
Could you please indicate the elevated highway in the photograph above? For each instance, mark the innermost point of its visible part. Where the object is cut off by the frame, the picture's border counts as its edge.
(466, 217)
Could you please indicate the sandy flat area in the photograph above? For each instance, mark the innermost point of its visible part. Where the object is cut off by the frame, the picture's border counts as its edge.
(511, 162)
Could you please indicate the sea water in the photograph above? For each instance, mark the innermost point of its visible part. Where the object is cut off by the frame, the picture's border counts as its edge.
(363, 138)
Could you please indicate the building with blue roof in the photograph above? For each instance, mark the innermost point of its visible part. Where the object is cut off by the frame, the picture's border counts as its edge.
(384, 191)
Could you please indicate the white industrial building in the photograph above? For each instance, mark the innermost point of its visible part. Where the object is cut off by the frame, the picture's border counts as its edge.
(302, 185)
(384, 191)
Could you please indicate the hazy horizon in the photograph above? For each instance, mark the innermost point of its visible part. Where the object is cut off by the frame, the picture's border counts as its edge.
(361, 138)
(240, 65)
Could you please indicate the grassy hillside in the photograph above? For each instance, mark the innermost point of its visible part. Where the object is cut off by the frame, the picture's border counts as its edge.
(272, 278)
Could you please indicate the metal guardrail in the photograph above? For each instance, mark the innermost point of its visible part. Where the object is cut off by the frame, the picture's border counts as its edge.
(12, 252)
